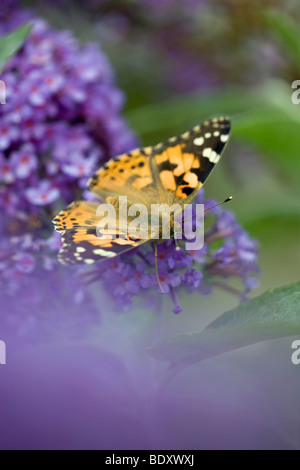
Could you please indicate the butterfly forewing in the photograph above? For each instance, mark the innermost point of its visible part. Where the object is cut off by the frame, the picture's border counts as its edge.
(183, 164)
(128, 175)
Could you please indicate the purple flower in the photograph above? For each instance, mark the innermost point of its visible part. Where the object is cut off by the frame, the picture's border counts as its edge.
(47, 116)
(180, 259)
(34, 88)
(8, 201)
(168, 279)
(7, 135)
(143, 279)
(17, 110)
(192, 278)
(24, 161)
(236, 257)
(24, 262)
(6, 174)
(52, 81)
(44, 194)
(247, 248)
(80, 166)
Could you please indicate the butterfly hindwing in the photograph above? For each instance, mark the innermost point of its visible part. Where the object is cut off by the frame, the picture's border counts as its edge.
(87, 245)
(86, 237)
(78, 214)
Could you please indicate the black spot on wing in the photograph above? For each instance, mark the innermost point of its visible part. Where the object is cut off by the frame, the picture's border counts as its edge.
(167, 165)
(187, 190)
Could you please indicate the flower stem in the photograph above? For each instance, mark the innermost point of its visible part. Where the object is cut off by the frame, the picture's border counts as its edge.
(230, 289)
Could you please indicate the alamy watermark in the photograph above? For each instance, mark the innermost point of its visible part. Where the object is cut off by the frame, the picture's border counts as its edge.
(2, 92)
(296, 354)
(139, 222)
(296, 94)
(2, 353)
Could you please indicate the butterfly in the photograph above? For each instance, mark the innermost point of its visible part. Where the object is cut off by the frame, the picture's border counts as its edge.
(170, 173)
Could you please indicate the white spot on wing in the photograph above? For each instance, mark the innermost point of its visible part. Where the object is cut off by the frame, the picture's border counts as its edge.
(186, 135)
(101, 252)
(158, 146)
(224, 137)
(199, 141)
(207, 152)
(212, 156)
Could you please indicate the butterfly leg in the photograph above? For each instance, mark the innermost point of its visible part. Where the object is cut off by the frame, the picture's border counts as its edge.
(156, 268)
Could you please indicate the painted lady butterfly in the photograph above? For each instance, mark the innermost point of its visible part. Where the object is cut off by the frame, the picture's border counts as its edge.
(169, 173)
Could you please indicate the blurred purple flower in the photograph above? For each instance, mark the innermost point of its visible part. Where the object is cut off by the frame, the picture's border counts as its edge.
(192, 278)
(168, 279)
(24, 162)
(44, 194)
(24, 262)
(180, 259)
(47, 128)
(51, 141)
(7, 135)
(6, 174)
(80, 166)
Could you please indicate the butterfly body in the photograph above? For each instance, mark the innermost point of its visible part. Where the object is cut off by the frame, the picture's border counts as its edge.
(154, 182)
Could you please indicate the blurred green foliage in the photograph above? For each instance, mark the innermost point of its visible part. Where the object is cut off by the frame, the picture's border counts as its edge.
(12, 42)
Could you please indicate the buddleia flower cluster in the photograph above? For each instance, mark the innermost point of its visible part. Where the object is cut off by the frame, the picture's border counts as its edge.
(61, 121)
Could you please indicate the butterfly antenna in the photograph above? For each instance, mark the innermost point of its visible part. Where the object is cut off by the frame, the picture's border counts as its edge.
(156, 268)
(176, 243)
(209, 208)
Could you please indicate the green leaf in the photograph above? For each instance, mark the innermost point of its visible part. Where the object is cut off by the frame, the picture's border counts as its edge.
(274, 314)
(287, 33)
(273, 128)
(11, 43)
(178, 113)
